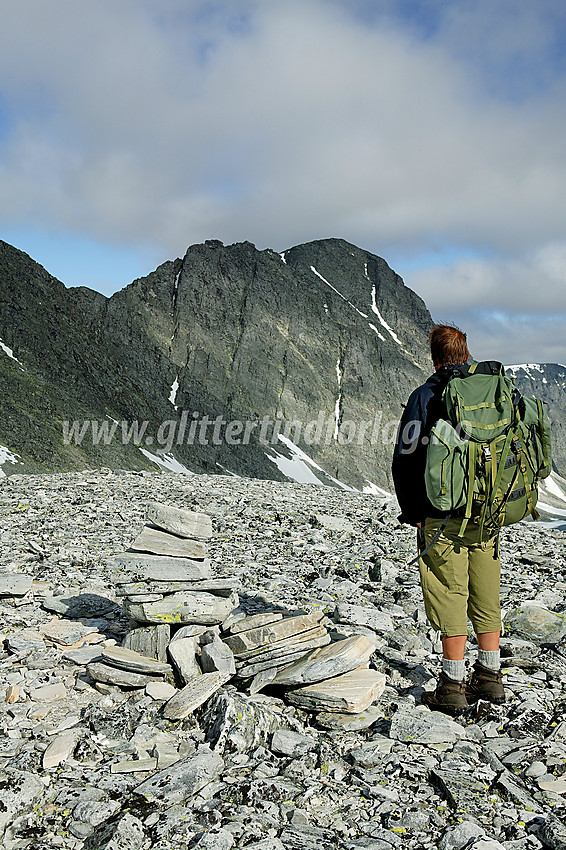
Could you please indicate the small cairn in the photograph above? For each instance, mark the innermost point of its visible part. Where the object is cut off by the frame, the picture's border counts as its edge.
(187, 628)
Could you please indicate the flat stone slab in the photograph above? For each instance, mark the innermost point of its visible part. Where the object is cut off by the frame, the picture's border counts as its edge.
(335, 523)
(162, 543)
(134, 766)
(194, 694)
(327, 662)
(15, 584)
(66, 633)
(275, 660)
(200, 608)
(216, 655)
(160, 690)
(111, 675)
(363, 615)
(49, 693)
(83, 655)
(351, 692)
(60, 749)
(286, 742)
(183, 655)
(419, 725)
(287, 627)
(347, 722)
(311, 639)
(181, 780)
(254, 621)
(180, 521)
(462, 791)
(535, 623)
(151, 641)
(161, 568)
(127, 659)
(218, 587)
(79, 606)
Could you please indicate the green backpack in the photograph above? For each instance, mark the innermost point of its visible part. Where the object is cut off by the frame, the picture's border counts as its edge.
(485, 459)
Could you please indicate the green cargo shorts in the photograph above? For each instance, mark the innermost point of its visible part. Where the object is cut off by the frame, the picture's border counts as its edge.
(459, 579)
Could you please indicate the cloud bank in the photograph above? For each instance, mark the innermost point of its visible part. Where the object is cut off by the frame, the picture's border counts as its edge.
(405, 127)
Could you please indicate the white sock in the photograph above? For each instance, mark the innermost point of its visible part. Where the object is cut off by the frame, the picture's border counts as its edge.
(489, 659)
(456, 670)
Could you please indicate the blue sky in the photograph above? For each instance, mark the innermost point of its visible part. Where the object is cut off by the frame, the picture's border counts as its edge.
(430, 132)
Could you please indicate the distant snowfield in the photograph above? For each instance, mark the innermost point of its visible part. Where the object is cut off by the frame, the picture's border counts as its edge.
(6, 456)
(166, 462)
(301, 468)
(552, 501)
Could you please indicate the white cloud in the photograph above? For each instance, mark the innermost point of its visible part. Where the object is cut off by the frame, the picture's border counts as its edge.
(166, 123)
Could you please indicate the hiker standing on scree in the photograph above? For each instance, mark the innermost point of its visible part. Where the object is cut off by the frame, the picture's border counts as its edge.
(459, 574)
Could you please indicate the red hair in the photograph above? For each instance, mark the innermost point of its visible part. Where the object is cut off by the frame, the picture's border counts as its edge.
(448, 344)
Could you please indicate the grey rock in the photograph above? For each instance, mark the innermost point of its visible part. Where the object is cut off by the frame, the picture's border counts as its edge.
(332, 660)
(183, 655)
(185, 701)
(236, 723)
(281, 653)
(161, 568)
(157, 542)
(95, 812)
(335, 523)
(112, 675)
(60, 749)
(151, 641)
(285, 742)
(351, 692)
(20, 790)
(127, 659)
(121, 832)
(422, 726)
(535, 623)
(217, 655)
(553, 833)
(15, 584)
(350, 722)
(182, 780)
(371, 753)
(81, 605)
(360, 615)
(254, 621)
(200, 608)
(83, 655)
(66, 633)
(215, 839)
(463, 792)
(457, 837)
(274, 632)
(306, 837)
(180, 521)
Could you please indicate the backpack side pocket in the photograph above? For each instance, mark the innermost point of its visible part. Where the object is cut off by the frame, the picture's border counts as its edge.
(446, 470)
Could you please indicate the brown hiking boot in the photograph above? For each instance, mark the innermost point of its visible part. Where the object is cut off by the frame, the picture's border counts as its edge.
(449, 696)
(485, 684)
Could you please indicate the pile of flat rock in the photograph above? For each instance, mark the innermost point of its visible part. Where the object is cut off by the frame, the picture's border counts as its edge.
(188, 628)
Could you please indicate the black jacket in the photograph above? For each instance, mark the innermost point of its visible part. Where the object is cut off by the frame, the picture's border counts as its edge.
(422, 411)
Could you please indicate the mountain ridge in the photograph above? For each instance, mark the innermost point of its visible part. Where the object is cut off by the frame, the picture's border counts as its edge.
(323, 329)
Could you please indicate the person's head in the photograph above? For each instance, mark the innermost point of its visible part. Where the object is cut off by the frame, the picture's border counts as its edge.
(448, 345)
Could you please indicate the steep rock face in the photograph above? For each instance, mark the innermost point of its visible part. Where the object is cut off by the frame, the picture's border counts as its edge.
(547, 381)
(249, 334)
(325, 333)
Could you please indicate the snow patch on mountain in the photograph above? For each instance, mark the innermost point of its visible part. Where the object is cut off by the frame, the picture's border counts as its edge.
(173, 393)
(6, 456)
(166, 462)
(9, 352)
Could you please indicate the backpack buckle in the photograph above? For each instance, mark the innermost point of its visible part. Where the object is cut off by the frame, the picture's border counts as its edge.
(516, 446)
(486, 454)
